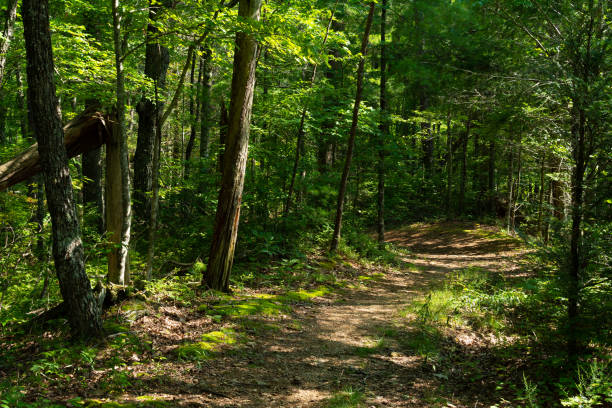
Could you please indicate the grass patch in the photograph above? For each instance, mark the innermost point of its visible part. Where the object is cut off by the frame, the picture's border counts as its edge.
(347, 398)
(375, 277)
(377, 345)
(211, 343)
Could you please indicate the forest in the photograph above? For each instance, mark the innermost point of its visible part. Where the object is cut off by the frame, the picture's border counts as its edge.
(307, 203)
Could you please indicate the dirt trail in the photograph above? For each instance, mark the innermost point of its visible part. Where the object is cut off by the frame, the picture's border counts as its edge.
(353, 342)
(334, 344)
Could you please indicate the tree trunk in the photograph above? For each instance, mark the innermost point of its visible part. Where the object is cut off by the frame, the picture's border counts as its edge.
(194, 114)
(510, 190)
(20, 100)
(464, 145)
(578, 153)
(84, 317)
(157, 60)
(541, 195)
(491, 177)
(517, 189)
(383, 127)
(119, 211)
(205, 103)
(234, 165)
(449, 167)
(6, 36)
(223, 129)
(353, 132)
(300, 146)
(92, 188)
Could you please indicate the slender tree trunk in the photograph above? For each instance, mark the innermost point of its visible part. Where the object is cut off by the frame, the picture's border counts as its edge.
(205, 103)
(449, 167)
(384, 125)
(541, 195)
(234, 165)
(510, 190)
(491, 177)
(23, 112)
(463, 182)
(84, 316)
(119, 210)
(92, 187)
(575, 258)
(517, 189)
(194, 114)
(300, 146)
(7, 35)
(353, 132)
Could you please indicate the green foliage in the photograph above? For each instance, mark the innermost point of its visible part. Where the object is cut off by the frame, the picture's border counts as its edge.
(347, 398)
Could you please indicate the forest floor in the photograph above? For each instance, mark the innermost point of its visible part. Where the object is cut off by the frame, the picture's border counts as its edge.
(362, 342)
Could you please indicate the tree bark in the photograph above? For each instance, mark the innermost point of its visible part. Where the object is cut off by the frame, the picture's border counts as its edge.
(234, 165)
(383, 127)
(353, 132)
(491, 177)
(205, 103)
(92, 187)
(462, 185)
(119, 211)
(6, 36)
(84, 317)
(300, 146)
(157, 60)
(194, 114)
(449, 166)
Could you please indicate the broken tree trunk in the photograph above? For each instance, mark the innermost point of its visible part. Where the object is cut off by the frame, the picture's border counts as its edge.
(86, 132)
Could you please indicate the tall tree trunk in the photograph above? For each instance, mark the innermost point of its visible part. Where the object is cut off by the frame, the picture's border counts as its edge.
(234, 165)
(157, 60)
(84, 316)
(491, 177)
(464, 145)
(575, 256)
(6, 36)
(449, 166)
(510, 190)
(194, 114)
(119, 210)
(353, 132)
(541, 195)
(517, 189)
(92, 187)
(20, 100)
(205, 125)
(383, 126)
(300, 146)
(223, 129)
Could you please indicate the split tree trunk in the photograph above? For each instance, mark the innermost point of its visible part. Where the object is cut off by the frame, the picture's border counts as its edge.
(353, 132)
(84, 316)
(234, 165)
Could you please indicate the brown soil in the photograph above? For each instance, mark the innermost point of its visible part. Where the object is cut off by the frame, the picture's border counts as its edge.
(328, 346)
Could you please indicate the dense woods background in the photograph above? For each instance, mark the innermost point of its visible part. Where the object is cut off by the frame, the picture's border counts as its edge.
(236, 135)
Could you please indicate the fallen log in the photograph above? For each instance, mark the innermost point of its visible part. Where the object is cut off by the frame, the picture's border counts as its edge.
(84, 133)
